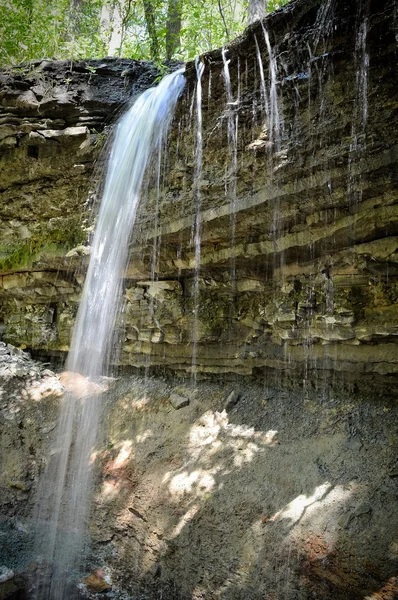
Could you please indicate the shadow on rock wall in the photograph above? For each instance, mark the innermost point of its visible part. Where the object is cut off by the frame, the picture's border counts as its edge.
(284, 495)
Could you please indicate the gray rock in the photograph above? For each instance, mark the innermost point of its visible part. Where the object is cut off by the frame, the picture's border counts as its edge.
(363, 509)
(231, 400)
(354, 443)
(345, 520)
(48, 373)
(178, 401)
(5, 574)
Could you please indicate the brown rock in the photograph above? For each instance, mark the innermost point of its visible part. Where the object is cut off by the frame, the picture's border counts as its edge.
(96, 582)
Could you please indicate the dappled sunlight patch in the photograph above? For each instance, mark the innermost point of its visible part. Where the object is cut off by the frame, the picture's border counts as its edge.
(394, 550)
(198, 482)
(38, 390)
(329, 507)
(317, 512)
(293, 535)
(140, 402)
(246, 455)
(79, 386)
(213, 430)
(215, 448)
(270, 437)
(110, 490)
(118, 457)
(188, 516)
(123, 455)
(142, 437)
(389, 591)
(207, 429)
(300, 527)
(296, 509)
(116, 465)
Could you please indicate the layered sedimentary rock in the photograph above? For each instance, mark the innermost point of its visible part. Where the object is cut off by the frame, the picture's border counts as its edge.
(297, 201)
(55, 119)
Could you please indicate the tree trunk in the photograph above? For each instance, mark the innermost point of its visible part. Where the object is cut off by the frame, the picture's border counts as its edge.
(151, 26)
(75, 12)
(257, 10)
(173, 27)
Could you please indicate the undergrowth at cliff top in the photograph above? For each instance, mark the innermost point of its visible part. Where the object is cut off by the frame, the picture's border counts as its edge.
(140, 29)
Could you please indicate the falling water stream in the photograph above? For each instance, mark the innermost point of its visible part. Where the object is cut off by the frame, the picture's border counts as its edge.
(64, 501)
(264, 95)
(274, 120)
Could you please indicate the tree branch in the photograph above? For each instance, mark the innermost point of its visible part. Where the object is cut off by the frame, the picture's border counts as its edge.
(220, 8)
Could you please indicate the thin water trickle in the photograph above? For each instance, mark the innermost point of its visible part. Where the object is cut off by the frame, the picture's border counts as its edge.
(324, 22)
(362, 73)
(274, 118)
(362, 62)
(197, 206)
(360, 112)
(64, 501)
(232, 167)
(264, 94)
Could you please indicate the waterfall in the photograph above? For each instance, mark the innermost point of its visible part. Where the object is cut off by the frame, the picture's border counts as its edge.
(64, 500)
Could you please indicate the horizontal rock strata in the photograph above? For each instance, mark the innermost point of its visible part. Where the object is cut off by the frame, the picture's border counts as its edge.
(298, 221)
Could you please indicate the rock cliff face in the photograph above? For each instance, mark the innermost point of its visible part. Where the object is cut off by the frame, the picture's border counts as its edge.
(207, 490)
(298, 215)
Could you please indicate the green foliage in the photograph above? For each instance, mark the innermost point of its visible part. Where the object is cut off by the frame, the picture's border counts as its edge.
(73, 29)
(204, 27)
(32, 29)
(209, 25)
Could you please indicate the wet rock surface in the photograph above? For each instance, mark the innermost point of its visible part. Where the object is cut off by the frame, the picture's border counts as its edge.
(298, 230)
(51, 132)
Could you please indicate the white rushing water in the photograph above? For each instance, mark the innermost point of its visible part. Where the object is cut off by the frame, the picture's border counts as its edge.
(64, 501)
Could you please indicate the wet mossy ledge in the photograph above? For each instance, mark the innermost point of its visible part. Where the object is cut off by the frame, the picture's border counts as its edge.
(299, 235)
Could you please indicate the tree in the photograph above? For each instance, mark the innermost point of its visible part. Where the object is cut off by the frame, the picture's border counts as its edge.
(115, 17)
(152, 30)
(173, 27)
(141, 29)
(257, 10)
